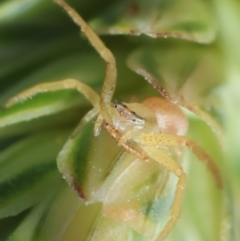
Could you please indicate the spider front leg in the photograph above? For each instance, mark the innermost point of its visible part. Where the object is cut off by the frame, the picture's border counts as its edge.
(126, 146)
(109, 83)
(171, 165)
(82, 88)
(180, 141)
(130, 135)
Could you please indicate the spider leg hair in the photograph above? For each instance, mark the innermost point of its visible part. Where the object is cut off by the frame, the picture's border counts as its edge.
(65, 84)
(109, 83)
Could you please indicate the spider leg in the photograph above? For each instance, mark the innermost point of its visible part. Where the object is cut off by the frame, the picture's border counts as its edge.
(193, 108)
(123, 141)
(127, 136)
(180, 141)
(84, 89)
(175, 168)
(126, 146)
(111, 71)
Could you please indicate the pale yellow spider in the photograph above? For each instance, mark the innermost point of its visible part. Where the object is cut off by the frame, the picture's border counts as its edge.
(140, 128)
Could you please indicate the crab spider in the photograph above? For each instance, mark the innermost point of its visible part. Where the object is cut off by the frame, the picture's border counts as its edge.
(149, 125)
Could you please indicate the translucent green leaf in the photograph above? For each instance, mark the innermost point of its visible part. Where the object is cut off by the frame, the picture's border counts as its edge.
(27, 176)
(55, 219)
(85, 162)
(100, 172)
(129, 210)
(169, 18)
(108, 229)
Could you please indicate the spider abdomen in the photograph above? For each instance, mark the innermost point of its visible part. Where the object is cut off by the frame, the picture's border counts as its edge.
(169, 116)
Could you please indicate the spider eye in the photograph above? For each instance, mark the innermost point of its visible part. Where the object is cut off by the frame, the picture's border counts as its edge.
(134, 120)
(115, 106)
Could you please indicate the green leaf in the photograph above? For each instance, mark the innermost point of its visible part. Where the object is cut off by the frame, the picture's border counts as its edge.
(181, 66)
(41, 105)
(27, 176)
(62, 103)
(49, 220)
(10, 9)
(168, 18)
(55, 219)
(85, 162)
(108, 229)
(9, 224)
(77, 66)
